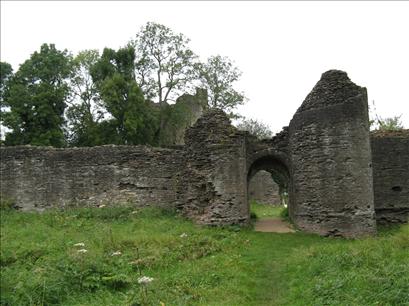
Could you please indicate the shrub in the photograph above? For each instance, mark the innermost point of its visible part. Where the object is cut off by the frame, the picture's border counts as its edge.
(7, 204)
(284, 214)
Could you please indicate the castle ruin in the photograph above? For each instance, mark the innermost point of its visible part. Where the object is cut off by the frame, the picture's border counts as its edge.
(341, 179)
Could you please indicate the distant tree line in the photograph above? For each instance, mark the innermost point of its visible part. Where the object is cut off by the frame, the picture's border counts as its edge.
(117, 97)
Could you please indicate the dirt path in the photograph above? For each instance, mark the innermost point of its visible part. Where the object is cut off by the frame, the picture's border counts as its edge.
(272, 225)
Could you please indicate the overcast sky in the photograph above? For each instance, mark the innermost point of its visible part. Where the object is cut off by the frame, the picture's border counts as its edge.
(282, 48)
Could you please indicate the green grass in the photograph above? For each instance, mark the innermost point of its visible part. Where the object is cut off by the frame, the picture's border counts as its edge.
(260, 210)
(209, 266)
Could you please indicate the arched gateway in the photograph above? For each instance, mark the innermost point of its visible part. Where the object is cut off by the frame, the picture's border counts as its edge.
(323, 159)
(278, 169)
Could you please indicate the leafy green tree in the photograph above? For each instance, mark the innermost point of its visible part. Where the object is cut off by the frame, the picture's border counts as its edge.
(6, 72)
(133, 120)
(164, 63)
(166, 67)
(86, 110)
(218, 75)
(36, 98)
(256, 128)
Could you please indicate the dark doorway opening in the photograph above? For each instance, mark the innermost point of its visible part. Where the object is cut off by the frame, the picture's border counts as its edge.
(268, 191)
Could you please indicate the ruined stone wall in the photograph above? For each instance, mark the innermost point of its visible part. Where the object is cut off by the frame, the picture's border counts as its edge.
(263, 189)
(270, 155)
(42, 177)
(332, 191)
(390, 163)
(214, 180)
(182, 115)
(324, 159)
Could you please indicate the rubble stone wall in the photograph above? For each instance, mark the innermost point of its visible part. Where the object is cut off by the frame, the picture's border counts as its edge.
(182, 115)
(390, 163)
(42, 177)
(263, 189)
(214, 180)
(323, 159)
(332, 192)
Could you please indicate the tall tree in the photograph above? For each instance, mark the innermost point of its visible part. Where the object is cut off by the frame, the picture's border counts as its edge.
(6, 72)
(85, 110)
(134, 121)
(36, 97)
(164, 62)
(164, 68)
(218, 75)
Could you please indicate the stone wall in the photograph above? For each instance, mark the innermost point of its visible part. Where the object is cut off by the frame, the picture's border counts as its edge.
(332, 192)
(214, 179)
(390, 163)
(42, 177)
(270, 155)
(182, 115)
(263, 189)
(324, 160)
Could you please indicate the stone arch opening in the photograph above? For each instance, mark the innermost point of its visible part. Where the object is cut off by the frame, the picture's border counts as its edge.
(277, 167)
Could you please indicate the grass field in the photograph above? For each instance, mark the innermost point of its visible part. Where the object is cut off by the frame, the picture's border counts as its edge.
(260, 210)
(96, 256)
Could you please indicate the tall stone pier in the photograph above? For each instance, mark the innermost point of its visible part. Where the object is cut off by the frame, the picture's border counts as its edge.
(332, 191)
(213, 182)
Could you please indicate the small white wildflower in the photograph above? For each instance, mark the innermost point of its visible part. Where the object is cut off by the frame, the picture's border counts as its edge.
(184, 235)
(102, 205)
(79, 244)
(145, 280)
(82, 251)
(117, 253)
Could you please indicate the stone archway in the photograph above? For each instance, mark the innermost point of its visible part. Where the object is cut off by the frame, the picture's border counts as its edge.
(277, 165)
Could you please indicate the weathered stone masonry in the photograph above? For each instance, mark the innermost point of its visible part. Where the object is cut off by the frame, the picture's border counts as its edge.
(263, 189)
(340, 180)
(331, 159)
(38, 177)
(390, 164)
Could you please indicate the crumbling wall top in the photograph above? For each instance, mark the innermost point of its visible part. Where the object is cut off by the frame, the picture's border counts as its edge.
(213, 127)
(333, 88)
(404, 133)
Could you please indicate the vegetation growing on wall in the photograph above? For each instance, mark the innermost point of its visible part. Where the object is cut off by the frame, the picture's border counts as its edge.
(176, 116)
(379, 123)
